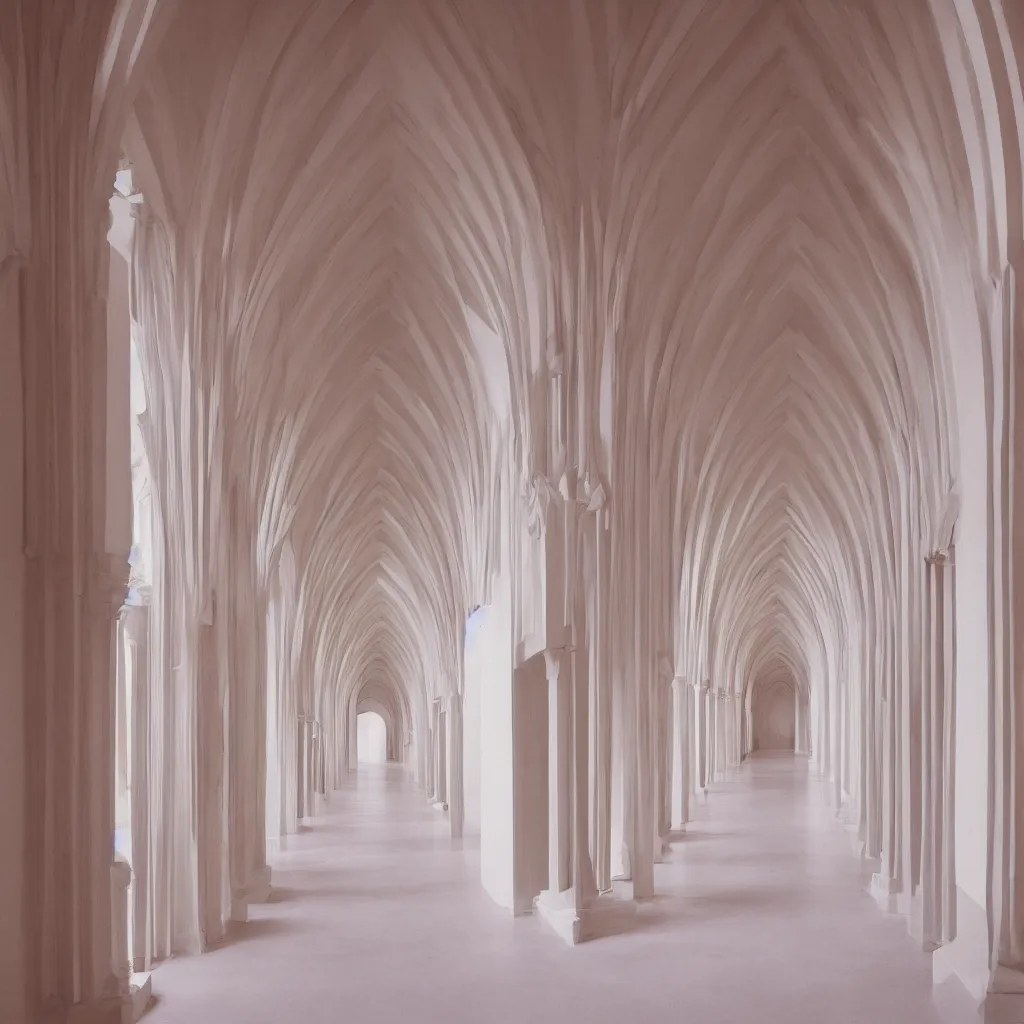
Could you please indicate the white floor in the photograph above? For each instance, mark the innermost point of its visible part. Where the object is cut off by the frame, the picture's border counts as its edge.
(376, 917)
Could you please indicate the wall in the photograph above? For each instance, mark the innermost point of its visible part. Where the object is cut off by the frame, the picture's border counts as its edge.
(12, 718)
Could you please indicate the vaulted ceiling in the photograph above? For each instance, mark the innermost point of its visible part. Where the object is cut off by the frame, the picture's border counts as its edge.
(742, 217)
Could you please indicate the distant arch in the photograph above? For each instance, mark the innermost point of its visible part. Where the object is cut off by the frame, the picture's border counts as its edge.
(371, 738)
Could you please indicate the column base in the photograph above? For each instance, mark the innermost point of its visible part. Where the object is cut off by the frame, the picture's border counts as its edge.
(140, 995)
(998, 995)
(118, 1009)
(1004, 1000)
(915, 922)
(885, 892)
(259, 888)
(238, 913)
(662, 846)
(602, 915)
(100, 1011)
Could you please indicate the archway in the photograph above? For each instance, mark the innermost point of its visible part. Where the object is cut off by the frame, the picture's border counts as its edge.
(773, 713)
(371, 738)
(384, 702)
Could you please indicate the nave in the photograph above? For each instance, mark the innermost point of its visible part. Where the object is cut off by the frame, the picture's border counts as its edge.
(762, 915)
(599, 394)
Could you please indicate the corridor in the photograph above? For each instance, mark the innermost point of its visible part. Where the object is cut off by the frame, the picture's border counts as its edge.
(761, 917)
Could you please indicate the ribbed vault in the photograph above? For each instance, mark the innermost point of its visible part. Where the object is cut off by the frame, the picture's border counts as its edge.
(318, 209)
(732, 221)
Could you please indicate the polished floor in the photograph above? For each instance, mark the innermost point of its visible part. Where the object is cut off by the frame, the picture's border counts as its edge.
(762, 918)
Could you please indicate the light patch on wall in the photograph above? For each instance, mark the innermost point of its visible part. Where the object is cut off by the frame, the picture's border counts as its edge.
(371, 738)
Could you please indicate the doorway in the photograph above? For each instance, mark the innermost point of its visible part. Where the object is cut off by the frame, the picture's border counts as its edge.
(774, 716)
(371, 738)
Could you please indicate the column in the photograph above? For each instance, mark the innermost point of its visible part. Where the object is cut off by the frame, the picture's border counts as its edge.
(571, 904)
(582, 870)
(1005, 998)
(681, 699)
(456, 807)
(559, 771)
(136, 625)
(885, 884)
(663, 754)
(704, 762)
(938, 881)
(440, 734)
(110, 917)
(800, 725)
(601, 700)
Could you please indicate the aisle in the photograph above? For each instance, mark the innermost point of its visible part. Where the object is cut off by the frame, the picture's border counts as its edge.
(376, 918)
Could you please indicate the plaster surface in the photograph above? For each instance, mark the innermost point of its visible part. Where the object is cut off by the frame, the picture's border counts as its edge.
(683, 337)
(762, 917)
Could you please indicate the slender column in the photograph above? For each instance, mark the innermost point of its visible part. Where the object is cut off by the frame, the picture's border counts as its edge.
(703, 698)
(212, 821)
(109, 933)
(582, 869)
(559, 772)
(600, 717)
(938, 880)
(662, 760)
(727, 730)
(623, 780)
(136, 624)
(681, 699)
(713, 745)
(800, 726)
(884, 883)
(456, 808)
(1006, 709)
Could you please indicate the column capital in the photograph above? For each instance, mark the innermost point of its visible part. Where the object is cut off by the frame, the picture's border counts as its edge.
(554, 658)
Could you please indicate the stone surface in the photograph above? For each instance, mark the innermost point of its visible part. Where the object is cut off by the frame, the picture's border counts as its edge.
(673, 343)
(761, 916)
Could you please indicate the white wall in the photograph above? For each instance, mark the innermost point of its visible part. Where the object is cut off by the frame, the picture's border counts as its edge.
(493, 661)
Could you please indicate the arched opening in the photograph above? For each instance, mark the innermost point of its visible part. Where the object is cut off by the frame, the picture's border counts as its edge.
(371, 738)
(383, 701)
(774, 716)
